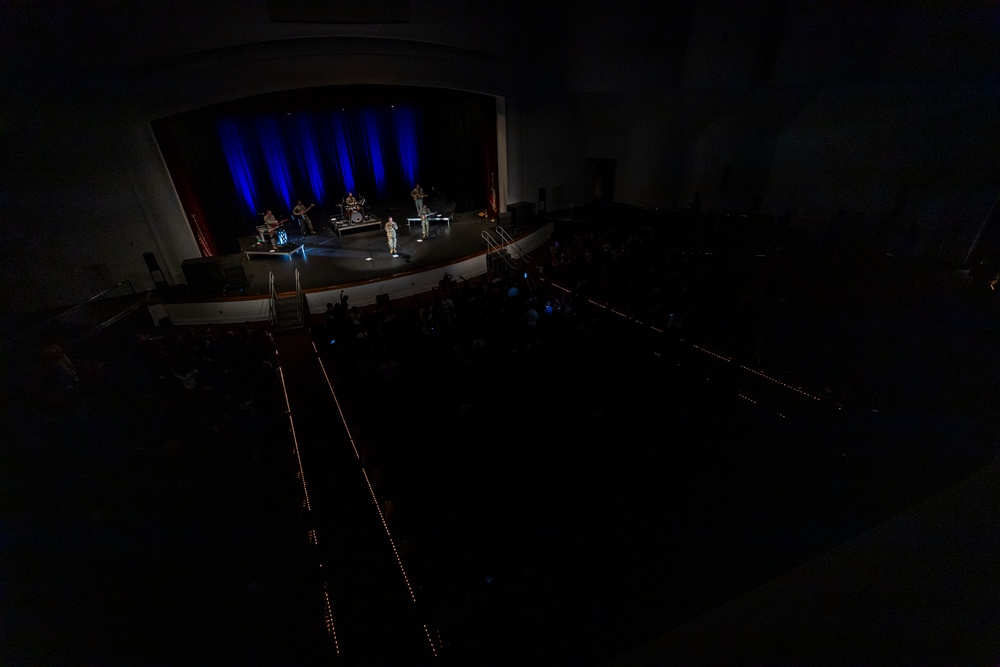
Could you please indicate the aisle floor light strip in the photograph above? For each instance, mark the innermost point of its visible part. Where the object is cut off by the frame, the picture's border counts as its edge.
(340, 410)
(328, 607)
(328, 618)
(779, 382)
(371, 490)
(295, 440)
(697, 347)
(714, 354)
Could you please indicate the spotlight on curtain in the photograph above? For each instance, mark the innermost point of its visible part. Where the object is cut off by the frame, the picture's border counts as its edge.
(374, 146)
(272, 142)
(239, 163)
(406, 134)
(307, 152)
(342, 149)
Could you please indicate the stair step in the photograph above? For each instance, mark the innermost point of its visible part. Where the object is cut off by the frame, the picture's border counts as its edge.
(287, 314)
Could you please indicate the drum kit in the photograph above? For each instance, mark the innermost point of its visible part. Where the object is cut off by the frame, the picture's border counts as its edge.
(353, 214)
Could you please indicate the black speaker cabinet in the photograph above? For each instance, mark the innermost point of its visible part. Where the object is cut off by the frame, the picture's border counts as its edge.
(233, 271)
(203, 274)
(520, 213)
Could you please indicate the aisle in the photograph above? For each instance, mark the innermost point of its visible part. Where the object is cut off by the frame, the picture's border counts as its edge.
(373, 614)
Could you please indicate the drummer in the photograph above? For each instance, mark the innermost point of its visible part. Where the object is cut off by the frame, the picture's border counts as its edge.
(350, 204)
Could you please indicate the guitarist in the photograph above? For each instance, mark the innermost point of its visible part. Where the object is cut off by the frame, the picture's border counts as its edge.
(273, 225)
(300, 210)
(418, 196)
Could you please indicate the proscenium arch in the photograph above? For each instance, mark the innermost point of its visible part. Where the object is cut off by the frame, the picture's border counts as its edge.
(231, 73)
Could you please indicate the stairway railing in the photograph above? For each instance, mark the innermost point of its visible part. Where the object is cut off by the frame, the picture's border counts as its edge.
(299, 301)
(271, 299)
(286, 312)
(506, 238)
(82, 320)
(496, 248)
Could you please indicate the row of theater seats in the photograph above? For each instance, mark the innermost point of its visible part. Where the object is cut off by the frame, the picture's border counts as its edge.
(152, 487)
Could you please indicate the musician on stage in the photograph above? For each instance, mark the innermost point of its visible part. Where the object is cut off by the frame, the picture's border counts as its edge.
(350, 204)
(300, 210)
(272, 228)
(418, 196)
(390, 234)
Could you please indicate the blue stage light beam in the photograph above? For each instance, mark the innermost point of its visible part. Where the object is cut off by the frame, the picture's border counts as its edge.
(406, 135)
(239, 164)
(272, 142)
(343, 151)
(374, 146)
(307, 152)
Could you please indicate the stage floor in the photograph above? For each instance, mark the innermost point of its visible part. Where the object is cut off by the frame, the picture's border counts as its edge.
(330, 258)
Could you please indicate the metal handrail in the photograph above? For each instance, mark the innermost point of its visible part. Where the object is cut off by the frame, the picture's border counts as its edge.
(491, 243)
(272, 302)
(492, 246)
(272, 298)
(299, 315)
(505, 237)
(63, 315)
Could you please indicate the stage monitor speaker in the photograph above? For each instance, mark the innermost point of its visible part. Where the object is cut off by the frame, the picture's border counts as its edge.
(233, 271)
(203, 274)
(520, 213)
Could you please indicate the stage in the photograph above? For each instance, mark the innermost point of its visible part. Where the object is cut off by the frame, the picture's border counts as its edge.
(358, 262)
(253, 246)
(367, 225)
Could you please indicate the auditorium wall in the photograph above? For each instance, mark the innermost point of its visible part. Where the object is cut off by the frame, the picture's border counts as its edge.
(887, 117)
